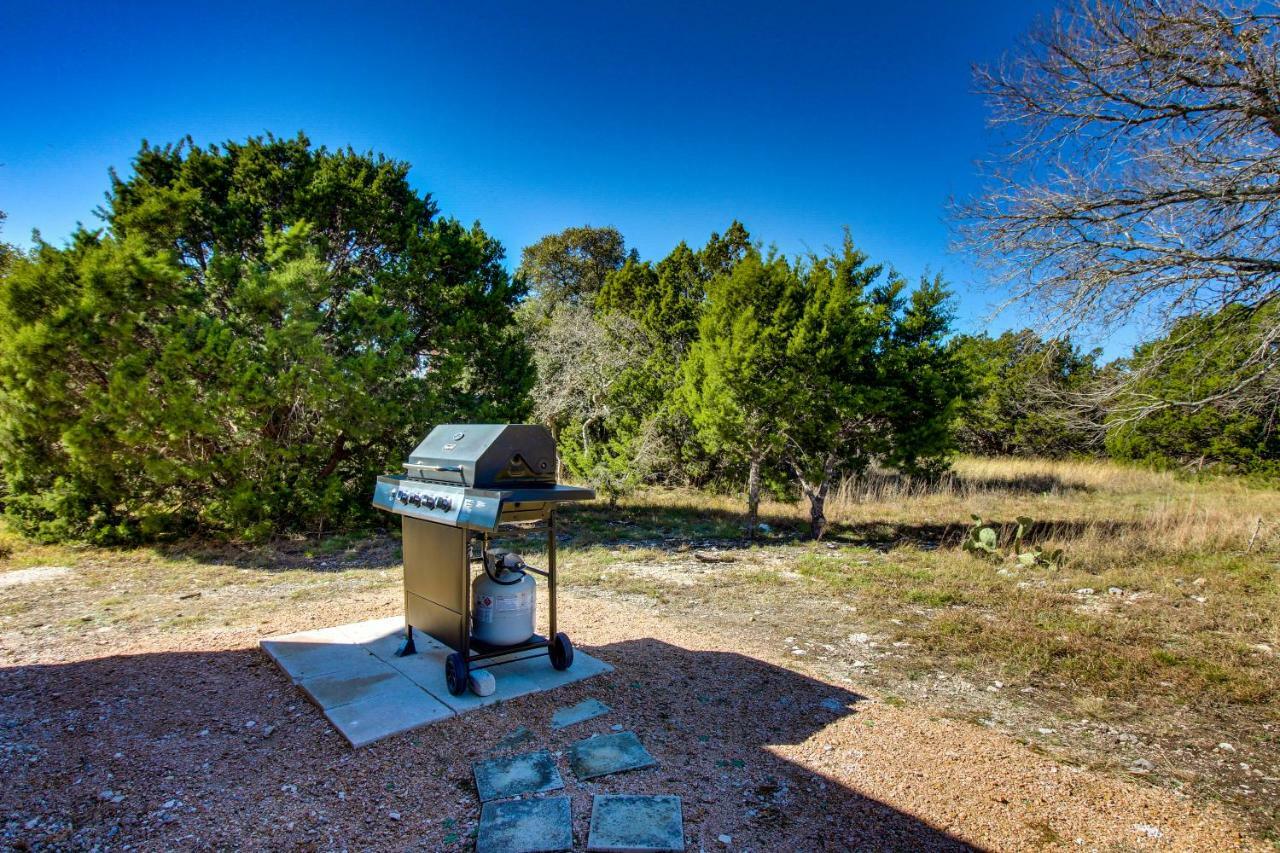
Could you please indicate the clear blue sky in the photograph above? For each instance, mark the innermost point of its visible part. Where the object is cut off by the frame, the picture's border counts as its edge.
(666, 120)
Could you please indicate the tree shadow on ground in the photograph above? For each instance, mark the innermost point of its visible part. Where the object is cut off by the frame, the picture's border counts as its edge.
(678, 528)
(369, 549)
(218, 749)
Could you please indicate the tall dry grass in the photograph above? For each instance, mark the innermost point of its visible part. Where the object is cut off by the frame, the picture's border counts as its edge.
(1093, 508)
(1096, 510)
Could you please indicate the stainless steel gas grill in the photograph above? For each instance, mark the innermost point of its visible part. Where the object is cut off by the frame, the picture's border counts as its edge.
(460, 483)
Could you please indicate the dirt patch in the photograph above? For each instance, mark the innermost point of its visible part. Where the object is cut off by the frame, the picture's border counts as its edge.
(33, 575)
(197, 741)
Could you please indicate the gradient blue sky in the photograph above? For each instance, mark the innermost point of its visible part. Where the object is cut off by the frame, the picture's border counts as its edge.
(666, 120)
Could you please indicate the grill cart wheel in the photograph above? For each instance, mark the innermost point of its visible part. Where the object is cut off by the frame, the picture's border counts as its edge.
(455, 674)
(561, 652)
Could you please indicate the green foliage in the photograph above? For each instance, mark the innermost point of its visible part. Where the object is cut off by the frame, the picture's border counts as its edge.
(817, 364)
(665, 301)
(983, 540)
(1202, 358)
(869, 375)
(570, 268)
(1014, 402)
(261, 329)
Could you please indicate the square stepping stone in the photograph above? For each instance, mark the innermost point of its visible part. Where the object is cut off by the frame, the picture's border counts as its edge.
(626, 822)
(520, 774)
(584, 710)
(525, 826)
(600, 756)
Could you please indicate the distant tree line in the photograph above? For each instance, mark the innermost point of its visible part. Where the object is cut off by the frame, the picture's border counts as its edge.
(732, 367)
(260, 328)
(735, 365)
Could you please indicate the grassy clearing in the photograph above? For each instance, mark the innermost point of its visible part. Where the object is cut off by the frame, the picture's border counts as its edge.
(1163, 624)
(1157, 640)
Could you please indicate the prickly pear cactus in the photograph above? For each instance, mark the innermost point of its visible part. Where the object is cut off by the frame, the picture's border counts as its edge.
(982, 540)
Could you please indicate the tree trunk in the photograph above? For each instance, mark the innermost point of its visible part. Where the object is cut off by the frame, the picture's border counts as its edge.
(753, 496)
(817, 495)
(817, 504)
(555, 439)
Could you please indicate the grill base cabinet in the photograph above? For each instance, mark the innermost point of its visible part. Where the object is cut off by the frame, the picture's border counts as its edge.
(460, 484)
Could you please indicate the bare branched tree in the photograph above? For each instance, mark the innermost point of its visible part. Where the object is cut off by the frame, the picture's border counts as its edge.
(1141, 183)
(580, 358)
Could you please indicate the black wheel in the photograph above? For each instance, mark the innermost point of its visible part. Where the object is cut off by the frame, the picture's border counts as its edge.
(455, 674)
(561, 652)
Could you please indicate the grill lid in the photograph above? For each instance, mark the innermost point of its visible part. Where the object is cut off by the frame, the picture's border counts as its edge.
(486, 456)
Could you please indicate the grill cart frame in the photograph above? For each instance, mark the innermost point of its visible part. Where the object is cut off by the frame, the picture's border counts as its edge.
(461, 484)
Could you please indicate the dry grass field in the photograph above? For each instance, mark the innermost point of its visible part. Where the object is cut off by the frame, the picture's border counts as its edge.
(1149, 655)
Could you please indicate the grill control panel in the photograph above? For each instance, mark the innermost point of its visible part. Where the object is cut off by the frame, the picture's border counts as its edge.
(443, 503)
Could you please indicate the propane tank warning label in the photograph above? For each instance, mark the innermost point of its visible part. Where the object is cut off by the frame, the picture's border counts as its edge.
(513, 603)
(488, 605)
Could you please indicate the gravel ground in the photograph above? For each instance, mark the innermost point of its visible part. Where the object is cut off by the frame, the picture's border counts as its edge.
(144, 742)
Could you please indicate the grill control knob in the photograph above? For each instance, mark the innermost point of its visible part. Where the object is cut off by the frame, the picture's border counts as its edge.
(429, 502)
(416, 500)
(442, 503)
(403, 496)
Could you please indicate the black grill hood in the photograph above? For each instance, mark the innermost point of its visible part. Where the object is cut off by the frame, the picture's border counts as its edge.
(486, 456)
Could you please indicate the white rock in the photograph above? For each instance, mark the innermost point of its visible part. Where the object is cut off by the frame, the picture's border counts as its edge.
(860, 639)
(1226, 747)
(1047, 731)
(248, 724)
(726, 839)
(1115, 590)
(481, 682)
(617, 727)
(1141, 766)
(1088, 590)
(1147, 829)
(393, 815)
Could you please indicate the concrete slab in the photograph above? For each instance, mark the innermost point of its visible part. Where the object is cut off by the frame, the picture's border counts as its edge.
(525, 826)
(546, 677)
(426, 669)
(529, 773)
(354, 666)
(332, 691)
(377, 717)
(374, 629)
(600, 756)
(585, 710)
(313, 653)
(626, 823)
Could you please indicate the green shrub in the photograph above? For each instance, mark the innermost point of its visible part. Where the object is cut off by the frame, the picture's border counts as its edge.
(259, 330)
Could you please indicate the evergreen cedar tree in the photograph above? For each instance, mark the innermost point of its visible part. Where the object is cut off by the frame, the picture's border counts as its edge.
(259, 329)
(1222, 433)
(1014, 405)
(823, 364)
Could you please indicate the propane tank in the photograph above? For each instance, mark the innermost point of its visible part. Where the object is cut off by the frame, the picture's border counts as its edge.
(505, 598)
